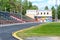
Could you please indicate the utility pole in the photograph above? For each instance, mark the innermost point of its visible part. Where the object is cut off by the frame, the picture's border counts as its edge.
(10, 10)
(56, 15)
(5, 9)
(21, 9)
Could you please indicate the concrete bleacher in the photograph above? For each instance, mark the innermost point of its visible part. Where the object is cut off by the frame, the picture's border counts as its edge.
(5, 16)
(6, 19)
(24, 18)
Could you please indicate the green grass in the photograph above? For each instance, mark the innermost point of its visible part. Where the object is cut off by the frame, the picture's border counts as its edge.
(50, 29)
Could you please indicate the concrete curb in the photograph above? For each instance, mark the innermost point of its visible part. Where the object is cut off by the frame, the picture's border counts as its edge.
(14, 34)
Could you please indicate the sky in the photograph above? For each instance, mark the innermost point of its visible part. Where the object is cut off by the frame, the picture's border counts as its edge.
(42, 3)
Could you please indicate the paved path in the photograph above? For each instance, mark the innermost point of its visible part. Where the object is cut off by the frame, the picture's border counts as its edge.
(42, 38)
(6, 31)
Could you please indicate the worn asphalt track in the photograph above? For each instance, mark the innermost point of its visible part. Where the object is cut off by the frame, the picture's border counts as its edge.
(6, 31)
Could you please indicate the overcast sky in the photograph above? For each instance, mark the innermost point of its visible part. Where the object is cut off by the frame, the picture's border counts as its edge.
(42, 3)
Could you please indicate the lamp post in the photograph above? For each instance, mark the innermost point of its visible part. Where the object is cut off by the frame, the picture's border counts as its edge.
(21, 9)
(10, 10)
(5, 9)
(56, 15)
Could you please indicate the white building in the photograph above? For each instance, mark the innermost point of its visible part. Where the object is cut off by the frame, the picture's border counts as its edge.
(40, 15)
(31, 13)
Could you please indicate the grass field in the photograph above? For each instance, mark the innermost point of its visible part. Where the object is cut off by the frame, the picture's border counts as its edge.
(49, 29)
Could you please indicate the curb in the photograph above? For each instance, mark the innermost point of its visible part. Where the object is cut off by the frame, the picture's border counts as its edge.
(14, 33)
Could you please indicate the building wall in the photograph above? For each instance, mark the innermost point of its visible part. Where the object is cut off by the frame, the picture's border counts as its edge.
(40, 15)
(44, 13)
(31, 13)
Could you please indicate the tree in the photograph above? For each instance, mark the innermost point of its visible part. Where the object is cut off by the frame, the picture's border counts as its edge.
(25, 6)
(34, 7)
(18, 6)
(53, 12)
(11, 5)
(58, 11)
(6, 4)
(30, 5)
(46, 8)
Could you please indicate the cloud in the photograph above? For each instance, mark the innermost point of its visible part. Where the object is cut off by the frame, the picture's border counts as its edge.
(58, 2)
(42, 3)
(51, 2)
(31, 0)
(35, 0)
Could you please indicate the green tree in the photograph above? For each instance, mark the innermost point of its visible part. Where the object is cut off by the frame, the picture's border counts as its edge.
(18, 5)
(34, 7)
(8, 4)
(28, 6)
(25, 6)
(46, 8)
(11, 5)
(53, 12)
(58, 11)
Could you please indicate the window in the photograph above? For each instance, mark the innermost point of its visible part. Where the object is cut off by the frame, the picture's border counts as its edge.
(41, 13)
(44, 13)
(47, 13)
